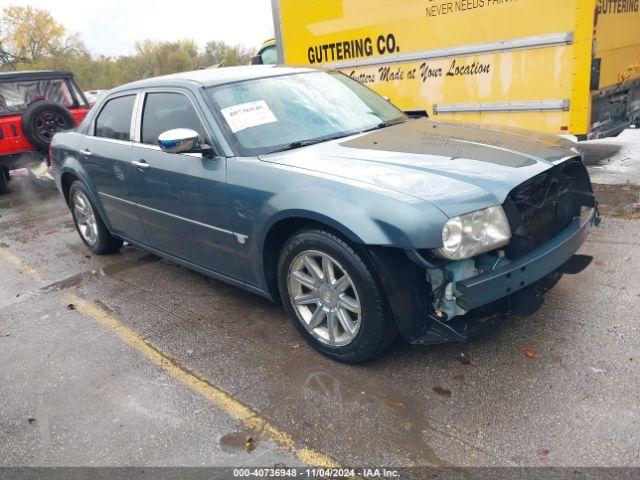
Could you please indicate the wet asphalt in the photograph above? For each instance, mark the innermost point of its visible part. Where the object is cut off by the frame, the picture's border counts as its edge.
(561, 388)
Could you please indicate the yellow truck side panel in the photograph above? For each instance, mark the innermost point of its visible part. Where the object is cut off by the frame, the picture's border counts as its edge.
(418, 24)
(427, 85)
(522, 63)
(618, 42)
(465, 87)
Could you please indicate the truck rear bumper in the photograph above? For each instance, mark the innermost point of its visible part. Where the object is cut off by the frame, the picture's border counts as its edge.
(502, 282)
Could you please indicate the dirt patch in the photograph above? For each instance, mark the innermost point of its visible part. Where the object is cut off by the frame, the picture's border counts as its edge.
(619, 200)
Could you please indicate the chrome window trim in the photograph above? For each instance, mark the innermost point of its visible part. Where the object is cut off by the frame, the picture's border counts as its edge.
(536, 41)
(112, 140)
(155, 147)
(102, 194)
(242, 239)
(136, 119)
(147, 146)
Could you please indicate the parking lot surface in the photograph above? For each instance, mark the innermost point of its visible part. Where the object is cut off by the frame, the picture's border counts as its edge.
(132, 360)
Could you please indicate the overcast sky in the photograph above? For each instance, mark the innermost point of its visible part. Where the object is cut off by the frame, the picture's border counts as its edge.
(111, 27)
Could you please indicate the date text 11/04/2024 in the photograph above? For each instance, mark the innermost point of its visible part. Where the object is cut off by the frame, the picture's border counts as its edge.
(315, 472)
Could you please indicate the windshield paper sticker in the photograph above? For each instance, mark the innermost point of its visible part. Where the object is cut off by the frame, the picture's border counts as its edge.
(247, 115)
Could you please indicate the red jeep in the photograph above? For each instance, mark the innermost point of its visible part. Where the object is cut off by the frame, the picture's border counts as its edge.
(33, 107)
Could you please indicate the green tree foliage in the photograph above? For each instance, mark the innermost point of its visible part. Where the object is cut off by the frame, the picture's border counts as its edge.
(31, 39)
(215, 52)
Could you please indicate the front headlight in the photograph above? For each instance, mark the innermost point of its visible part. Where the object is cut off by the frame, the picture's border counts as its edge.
(474, 233)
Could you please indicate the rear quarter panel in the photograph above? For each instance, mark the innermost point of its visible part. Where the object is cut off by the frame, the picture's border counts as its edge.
(65, 160)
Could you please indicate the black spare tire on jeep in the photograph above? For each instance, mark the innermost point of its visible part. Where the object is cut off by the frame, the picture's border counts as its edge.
(42, 120)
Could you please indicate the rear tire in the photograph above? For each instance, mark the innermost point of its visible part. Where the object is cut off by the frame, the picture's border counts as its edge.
(341, 309)
(4, 180)
(89, 224)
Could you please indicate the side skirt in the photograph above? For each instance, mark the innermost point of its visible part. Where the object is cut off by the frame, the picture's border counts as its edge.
(202, 270)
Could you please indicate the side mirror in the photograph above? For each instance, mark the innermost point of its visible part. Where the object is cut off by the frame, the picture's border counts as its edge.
(183, 140)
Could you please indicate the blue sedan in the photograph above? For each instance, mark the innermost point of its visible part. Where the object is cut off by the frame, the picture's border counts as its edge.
(308, 188)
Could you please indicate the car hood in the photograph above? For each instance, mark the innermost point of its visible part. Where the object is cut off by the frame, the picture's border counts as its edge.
(458, 168)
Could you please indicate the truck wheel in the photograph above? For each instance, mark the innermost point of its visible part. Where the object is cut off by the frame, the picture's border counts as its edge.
(333, 298)
(42, 120)
(90, 226)
(4, 180)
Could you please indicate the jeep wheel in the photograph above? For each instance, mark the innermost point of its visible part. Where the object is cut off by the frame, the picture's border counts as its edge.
(42, 120)
(333, 297)
(90, 226)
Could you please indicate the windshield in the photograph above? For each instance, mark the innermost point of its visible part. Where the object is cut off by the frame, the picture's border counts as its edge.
(276, 113)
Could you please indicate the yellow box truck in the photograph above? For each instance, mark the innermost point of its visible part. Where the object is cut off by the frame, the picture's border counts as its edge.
(564, 66)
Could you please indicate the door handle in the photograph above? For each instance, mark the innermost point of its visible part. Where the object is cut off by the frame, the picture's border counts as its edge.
(142, 165)
(85, 152)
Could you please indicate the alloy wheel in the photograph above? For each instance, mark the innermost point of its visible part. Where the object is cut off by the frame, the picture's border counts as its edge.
(324, 298)
(85, 217)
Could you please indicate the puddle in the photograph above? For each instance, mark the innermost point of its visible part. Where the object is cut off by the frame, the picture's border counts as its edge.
(598, 153)
(80, 279)
(406, 419)
(72, 281)
(23, 193)
(238, 442)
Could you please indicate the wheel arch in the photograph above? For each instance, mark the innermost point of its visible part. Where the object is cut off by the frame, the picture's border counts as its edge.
(69, 175)
(403, 282)
(66, 180)
(282, 228)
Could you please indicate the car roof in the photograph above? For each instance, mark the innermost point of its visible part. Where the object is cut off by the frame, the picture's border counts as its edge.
(34, 75)
(268, 43)
(215, 76)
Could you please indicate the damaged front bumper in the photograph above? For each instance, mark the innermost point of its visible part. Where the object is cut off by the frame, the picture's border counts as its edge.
(479, 298)
(515, 276)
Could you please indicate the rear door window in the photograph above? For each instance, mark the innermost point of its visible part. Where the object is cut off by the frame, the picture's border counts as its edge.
(114, 120)
(165, 111)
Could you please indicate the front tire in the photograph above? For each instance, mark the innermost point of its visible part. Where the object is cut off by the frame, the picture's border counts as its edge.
(333, 298)
(89, 224)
